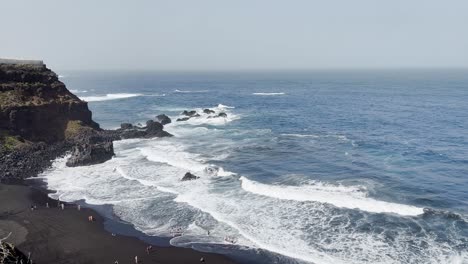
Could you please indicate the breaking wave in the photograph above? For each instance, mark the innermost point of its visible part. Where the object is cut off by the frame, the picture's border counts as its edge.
(191, 91)
(341, 196)
(108, 97)
(268, 93)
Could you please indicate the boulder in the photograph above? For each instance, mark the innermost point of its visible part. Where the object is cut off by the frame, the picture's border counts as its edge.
(208, 111)
(133, 133)
(189, 113)
(153, 126)
(89, 154)
(126, 126)
(222, 115)
(183, 119)
(163, 119)
(189, 176)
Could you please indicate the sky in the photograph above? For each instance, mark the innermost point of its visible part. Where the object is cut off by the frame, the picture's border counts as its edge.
(222, 35)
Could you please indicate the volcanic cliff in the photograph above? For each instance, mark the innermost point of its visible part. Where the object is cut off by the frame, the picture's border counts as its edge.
(41, 120)
(36, 105)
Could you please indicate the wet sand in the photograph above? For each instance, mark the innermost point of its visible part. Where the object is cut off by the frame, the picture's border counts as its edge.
(53, 235)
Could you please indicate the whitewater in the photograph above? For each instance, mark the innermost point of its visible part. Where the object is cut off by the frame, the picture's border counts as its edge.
(271, 181)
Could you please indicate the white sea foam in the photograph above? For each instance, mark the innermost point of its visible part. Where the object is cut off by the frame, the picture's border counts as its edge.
(116, 96)
(268, 93)
(301, 135)
(191, 91)
(340, 196)
(142, 182)
(339, 137)
(221, 106)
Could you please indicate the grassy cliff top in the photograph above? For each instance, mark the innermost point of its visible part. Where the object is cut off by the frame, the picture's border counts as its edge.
(29, 85)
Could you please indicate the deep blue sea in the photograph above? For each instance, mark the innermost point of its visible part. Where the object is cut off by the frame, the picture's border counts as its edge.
(308, 167)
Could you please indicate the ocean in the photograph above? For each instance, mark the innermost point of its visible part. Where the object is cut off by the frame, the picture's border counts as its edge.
(308, 167)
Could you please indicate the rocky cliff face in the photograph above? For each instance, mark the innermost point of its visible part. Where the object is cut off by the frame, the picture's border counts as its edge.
(41, 120)
(36, 105)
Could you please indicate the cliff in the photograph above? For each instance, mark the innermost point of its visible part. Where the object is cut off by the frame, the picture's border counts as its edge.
(41, 120)
(36, 106)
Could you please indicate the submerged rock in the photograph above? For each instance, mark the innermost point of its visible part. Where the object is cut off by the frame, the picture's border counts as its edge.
(189, 176)
(222, 114)
(183, 119)
(212, 170)
(163, 119)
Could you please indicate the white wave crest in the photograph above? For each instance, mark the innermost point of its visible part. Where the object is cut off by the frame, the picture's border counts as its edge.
(191, 91)
(221, 106)
(301, 135)
(268, 93)
(108, 97)
(340, 196)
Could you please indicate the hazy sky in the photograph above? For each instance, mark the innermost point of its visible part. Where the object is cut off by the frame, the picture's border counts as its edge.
(236, 34)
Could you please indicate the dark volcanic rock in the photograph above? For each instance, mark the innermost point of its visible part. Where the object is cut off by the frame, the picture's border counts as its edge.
(208, 111)
(183, 119)
(89, 154)
(163, 119)
(189, 176)
(222, 114)
(153, 126)
(126, 126)
(134, 133)
(189, 113)
(29, 160)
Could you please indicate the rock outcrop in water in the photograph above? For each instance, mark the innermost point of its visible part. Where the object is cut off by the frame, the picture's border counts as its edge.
(192, 113)
(163, 119)
(189, 176)
(40, 120)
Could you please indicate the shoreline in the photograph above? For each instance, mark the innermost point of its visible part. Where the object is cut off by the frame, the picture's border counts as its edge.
(53, 235)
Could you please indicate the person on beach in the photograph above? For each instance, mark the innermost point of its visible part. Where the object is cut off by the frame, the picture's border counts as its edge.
(148, 249)
(202, 260)
(63, 206)
(32, 207)
(90, 218)
(116, 262)
(47, 205)
(79, 207)
(136, 259)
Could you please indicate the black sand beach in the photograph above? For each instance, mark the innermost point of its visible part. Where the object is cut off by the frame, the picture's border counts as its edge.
(53, 235)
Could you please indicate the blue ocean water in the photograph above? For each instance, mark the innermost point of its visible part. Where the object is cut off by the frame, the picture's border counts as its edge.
(319, 167)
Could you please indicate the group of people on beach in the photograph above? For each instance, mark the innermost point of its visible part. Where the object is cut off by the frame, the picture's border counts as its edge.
(176, 231)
